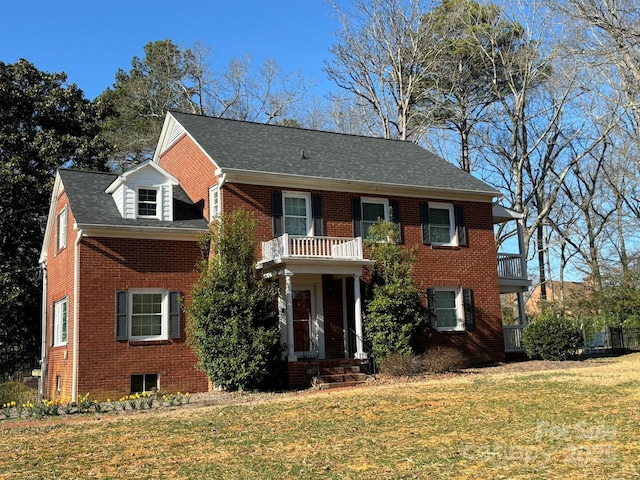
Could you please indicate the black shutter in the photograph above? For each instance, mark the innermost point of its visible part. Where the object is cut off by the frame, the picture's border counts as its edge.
(122, 331)
(460, 227)
(276, 213)
(424, 222)
(356, 212)
(316, 214)
(394, 206)
(431, 308)
(467, 297)
(174, 314)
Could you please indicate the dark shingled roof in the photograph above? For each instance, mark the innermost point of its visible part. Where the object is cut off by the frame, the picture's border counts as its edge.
(92, 206)
(256, 147)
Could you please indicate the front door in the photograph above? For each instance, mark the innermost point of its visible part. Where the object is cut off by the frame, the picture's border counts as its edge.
(302, 321)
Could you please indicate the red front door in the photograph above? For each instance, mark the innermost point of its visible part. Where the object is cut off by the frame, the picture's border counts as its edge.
(302, 320)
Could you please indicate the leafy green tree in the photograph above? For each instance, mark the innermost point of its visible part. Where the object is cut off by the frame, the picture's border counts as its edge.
(45, 123)
(394, 310)
(467, 80)
(166, 78)
(233, 318)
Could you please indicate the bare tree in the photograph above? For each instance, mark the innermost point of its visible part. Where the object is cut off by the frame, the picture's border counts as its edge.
(381, 60)
(544, 126)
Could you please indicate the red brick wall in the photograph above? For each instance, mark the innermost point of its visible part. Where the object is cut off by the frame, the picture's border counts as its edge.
(111, 264)
(60, 269)
(473, 267)
(185, 161)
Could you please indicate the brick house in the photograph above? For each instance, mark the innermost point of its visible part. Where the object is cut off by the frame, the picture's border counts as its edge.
(112, 322)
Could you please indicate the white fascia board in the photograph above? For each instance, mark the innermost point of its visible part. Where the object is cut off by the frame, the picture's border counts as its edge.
(58, 187)
(355, 186)
(154, 233)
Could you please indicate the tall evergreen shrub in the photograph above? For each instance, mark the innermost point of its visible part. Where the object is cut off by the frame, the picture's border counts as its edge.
(233, 318)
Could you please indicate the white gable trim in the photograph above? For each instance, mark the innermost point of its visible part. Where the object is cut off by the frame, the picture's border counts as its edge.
(58, 188)
(168, 138)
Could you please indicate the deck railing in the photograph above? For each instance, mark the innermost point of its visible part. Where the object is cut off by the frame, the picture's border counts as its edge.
(513, 338)
(510, 266)
(287, 246)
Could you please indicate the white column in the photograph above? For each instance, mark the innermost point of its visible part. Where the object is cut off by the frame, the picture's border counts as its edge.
(345, 322)
(291, 355)
(360, 353)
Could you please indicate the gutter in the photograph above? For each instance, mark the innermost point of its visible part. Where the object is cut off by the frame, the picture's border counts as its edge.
(76, 290)
(43, 334)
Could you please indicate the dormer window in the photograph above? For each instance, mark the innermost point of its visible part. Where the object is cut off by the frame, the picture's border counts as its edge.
(147, 202)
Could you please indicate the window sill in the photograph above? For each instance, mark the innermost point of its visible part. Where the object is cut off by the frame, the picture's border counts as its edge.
(451, 331)
(146, 343)
(445, 247)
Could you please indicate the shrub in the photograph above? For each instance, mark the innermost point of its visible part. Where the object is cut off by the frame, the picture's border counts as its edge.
(399, 364)
(552, 337)
(234, 327)
(394, 311)
(443, 359)
(17, 392)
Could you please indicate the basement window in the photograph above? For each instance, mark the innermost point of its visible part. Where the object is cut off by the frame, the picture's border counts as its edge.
(146, 382)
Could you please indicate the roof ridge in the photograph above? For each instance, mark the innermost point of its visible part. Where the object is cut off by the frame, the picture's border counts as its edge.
(292, 127)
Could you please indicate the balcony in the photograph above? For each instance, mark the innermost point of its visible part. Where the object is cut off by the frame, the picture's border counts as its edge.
(288, 248)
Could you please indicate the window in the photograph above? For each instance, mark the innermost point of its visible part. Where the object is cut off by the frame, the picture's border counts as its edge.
(214, 202)
(147, 314)
(441, 224)
(148, 202)
(61, 229)
(297, 213)
(450, 308)
(58, 383)
(147, 382)
(373, 209)
(61, 321)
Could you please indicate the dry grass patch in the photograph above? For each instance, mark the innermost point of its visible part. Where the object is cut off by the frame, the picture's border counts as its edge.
(573, 423)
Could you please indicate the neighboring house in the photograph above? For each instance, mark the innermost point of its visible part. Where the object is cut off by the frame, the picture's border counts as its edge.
(314, 196)
(562, 293)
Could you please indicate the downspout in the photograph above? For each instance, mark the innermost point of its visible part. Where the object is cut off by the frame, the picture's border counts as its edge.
(43, 334)
(76, 290)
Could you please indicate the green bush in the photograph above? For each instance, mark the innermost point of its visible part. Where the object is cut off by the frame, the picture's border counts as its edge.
(16, 392)
(552, 337)
(394, 310)
(234, 327)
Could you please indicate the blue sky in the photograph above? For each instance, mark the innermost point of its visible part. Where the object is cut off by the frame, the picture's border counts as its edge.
(91, 40)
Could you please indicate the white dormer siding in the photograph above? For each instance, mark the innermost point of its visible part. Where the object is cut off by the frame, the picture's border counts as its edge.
(145, 177)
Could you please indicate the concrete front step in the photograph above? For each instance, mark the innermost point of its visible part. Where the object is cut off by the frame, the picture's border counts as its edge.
(326, 386)
(347, 377)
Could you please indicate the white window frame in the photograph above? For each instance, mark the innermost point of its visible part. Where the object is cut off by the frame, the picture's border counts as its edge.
(158, 202)
(459, 309)
(61, 225)
(309, 220)
(144, 382)
(453, 234)
(380, 201)
(60, 322)
(164, 314)
(214, 202)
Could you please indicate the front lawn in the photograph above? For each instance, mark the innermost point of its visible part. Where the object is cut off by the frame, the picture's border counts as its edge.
(556, 423)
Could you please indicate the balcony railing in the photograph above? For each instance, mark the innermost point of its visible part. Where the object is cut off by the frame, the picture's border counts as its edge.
(510, 266)
(513, 338)
(287, 246)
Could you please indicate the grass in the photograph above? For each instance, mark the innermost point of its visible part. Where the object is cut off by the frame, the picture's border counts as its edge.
(566, 423)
